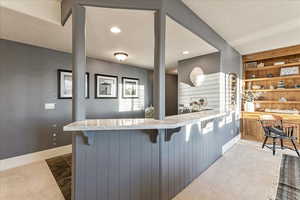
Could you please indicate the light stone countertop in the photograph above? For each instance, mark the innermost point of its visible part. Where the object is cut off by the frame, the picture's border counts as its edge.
(170, 122)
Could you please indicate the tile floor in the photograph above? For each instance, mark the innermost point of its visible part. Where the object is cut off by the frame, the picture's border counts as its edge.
(245, 172)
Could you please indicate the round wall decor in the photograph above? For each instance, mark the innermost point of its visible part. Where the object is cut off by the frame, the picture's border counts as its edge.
(197, 76)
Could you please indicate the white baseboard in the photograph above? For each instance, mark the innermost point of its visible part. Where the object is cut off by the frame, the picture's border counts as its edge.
(33, 157)
(231, 143)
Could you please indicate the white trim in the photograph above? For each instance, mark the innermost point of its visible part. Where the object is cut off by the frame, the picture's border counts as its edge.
(230, 144)
(33, 157)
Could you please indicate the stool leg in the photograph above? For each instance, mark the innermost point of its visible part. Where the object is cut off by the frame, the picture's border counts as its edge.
(266, 138)
(281, 143)
(274, 145)
(295, 147)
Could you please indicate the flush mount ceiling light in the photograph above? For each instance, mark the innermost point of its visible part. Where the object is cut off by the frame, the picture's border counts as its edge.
(121, 56)
(185, 52)
(115, 30)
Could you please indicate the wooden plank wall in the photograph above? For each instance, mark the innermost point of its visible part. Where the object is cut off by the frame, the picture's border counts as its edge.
(123, 165)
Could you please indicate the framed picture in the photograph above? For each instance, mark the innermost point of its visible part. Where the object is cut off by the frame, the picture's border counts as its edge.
(106, 86)
(65, 84)
(130, 87)
(289, 71)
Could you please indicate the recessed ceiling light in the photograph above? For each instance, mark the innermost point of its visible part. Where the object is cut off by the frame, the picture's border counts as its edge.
(115, 30)
(121, 56)
(185, 52)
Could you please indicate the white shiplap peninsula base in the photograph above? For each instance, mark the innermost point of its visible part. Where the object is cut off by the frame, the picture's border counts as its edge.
(126, 159)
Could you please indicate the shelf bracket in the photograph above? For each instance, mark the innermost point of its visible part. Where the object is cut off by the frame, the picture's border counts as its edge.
(89, 137)
(171, 132)
(206, 122)
(153, 135)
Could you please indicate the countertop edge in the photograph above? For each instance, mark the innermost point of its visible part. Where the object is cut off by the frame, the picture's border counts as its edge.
(171, 122)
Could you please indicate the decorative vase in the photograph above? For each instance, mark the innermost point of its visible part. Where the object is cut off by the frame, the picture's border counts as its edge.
(249, 107)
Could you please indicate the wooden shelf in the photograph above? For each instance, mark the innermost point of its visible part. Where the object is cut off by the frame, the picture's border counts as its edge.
(277, 90)
(287, 116)
(271, 102)
(273, 78)
(272, 67)
(271, 54)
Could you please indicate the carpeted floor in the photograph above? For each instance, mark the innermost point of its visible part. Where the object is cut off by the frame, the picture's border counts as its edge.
(289, 180)
(61, 168)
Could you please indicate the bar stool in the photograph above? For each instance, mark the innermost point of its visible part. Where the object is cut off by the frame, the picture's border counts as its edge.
(274, 128)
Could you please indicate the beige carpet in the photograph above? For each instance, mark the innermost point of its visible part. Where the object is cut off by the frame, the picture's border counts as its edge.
(30, 182)
(246, 172)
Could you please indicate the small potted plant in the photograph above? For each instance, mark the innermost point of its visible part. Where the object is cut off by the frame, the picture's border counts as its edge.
(249, 97)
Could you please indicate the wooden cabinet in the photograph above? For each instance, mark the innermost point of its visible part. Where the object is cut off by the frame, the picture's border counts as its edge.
(251, 127)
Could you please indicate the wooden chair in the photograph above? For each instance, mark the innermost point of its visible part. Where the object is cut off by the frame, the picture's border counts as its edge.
(274, 128)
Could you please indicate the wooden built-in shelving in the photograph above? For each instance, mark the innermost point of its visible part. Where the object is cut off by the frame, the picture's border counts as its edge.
(271, 98)
(279, 102)
(273, 67)
(273, 78)
(277, 90)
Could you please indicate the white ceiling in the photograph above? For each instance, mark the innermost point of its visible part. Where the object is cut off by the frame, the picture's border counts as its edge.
(249, 26)
(20, 23)
(252, 25)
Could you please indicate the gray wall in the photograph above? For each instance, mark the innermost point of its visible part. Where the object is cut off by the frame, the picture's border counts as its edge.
(209, 63)
(171, 94)
(28, 79)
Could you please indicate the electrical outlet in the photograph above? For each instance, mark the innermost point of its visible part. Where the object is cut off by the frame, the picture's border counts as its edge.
(49, 106)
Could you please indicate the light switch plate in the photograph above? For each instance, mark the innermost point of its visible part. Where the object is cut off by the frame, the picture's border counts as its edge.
(49, 106)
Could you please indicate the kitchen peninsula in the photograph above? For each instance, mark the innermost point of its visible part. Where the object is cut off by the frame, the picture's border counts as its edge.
(153, 159)
(140, 157)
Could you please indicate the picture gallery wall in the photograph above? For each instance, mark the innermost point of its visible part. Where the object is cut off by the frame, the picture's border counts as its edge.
(106, 86)
(31, 77)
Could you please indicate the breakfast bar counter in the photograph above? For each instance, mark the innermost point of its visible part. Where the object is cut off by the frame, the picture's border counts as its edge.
(134, 159)
(170, 122)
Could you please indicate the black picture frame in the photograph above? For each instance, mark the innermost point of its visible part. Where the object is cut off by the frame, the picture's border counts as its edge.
(124, 96)
(116, 78)
(59, 84)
